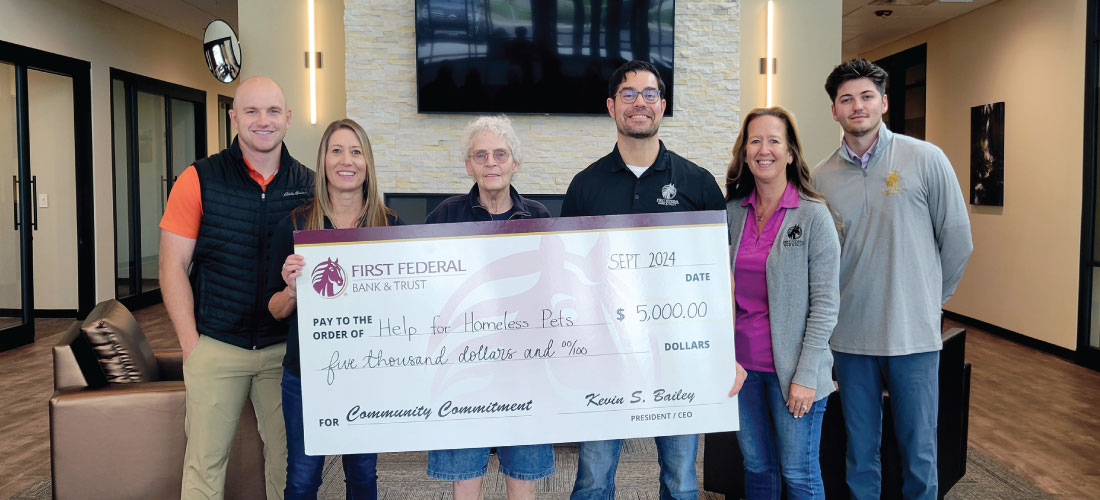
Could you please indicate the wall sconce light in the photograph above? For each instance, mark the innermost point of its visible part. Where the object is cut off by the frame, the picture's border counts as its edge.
(312, 63)
(769, 60)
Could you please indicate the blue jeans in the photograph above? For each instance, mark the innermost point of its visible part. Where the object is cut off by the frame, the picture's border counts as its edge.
(913, 383)
(526, 463)
(777, 445)
(303, 472)
(599, 459)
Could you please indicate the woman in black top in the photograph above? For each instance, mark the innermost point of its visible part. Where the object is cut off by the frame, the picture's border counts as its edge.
(345, 196)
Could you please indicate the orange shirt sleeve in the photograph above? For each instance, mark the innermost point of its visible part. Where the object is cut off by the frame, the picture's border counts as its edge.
(183, 213)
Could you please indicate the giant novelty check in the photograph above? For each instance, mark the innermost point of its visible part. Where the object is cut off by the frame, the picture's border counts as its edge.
(518, 332)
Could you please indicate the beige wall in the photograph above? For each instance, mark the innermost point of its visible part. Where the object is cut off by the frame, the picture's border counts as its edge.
(274, 40)
(109, 37)
(806, 43)
(1023, 275)
(421, 153)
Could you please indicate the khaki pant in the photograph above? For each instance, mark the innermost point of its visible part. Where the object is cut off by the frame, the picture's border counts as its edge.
(218, 377)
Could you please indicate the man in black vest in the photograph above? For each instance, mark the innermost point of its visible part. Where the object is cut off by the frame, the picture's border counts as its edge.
(218, 222)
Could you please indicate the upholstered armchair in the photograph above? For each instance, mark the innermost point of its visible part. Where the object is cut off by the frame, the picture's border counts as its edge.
(116, 416)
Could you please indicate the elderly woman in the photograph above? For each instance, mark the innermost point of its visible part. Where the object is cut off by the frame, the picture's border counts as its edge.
(345, 196)
(492, 157)
(785, 255)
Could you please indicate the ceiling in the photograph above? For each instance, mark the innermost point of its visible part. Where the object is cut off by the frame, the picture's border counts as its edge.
(189, 17)
(862, 30)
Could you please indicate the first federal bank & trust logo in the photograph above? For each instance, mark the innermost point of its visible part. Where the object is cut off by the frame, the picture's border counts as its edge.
(329, 279)
(794, 237)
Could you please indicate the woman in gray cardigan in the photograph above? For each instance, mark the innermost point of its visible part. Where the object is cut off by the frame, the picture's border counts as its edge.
(785, 255)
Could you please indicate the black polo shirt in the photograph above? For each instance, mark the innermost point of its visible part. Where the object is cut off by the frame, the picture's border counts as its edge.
(671, 184)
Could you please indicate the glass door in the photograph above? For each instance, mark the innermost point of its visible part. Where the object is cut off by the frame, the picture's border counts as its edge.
(158, 131)
(47, 233)
(183, 127)
(226, 130)
(906, 90)
(120, 124)
(53, 193)
(15, 314)
(153, 185)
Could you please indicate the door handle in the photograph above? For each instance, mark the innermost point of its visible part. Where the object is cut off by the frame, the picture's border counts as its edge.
(34, 201)
(163, 197)
(15, 201)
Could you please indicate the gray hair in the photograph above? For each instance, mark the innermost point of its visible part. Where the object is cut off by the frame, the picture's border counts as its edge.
(499, 125)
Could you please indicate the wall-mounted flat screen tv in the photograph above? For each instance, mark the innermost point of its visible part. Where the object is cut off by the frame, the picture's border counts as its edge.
(535, 56)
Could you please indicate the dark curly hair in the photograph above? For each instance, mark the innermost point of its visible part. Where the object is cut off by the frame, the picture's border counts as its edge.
(853, 70)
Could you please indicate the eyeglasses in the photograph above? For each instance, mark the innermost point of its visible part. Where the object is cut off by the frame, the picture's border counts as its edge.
(649, 95)
(482, 157)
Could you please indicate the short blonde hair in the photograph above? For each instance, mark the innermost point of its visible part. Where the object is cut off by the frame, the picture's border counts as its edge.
(499, 125)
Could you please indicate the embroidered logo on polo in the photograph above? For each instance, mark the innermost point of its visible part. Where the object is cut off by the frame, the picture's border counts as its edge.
(794, 237)
(668, 196)
(893, 184)
(329, 279)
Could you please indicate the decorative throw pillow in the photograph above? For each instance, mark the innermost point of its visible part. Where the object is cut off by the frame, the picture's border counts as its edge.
(123, 351)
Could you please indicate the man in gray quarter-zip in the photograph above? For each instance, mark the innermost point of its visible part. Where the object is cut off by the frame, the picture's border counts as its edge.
(905, 241)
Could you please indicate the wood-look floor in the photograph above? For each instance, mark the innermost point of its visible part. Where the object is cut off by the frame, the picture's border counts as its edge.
(1036, 413)
(26, 383)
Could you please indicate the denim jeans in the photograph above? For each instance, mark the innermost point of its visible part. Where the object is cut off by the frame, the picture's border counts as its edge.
(913, 383)
(599, 459)
(526, 463)
(775, 444)
(303, 472)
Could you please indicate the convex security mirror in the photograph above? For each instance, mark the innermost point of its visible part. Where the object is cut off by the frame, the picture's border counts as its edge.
(222, 50)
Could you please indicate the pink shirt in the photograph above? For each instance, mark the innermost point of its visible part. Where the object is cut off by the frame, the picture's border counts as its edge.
(752, 329)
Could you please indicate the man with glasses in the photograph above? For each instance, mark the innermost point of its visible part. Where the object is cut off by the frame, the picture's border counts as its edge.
(639, 176)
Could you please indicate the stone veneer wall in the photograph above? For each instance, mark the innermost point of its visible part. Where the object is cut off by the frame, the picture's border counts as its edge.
(421, 153)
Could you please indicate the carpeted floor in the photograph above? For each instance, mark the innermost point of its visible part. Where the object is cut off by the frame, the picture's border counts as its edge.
(401, 477)
(988, 479)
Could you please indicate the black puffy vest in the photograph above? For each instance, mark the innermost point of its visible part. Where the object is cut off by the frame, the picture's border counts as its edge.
(231, 257)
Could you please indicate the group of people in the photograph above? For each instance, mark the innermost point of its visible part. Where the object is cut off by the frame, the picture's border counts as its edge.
(837, 271)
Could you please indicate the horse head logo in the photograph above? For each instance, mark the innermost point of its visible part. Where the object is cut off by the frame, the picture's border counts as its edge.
(668, 191)
(328, 279)
(794, 233)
